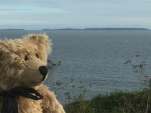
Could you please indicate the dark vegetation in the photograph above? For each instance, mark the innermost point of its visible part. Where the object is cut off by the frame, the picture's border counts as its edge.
(118, 102)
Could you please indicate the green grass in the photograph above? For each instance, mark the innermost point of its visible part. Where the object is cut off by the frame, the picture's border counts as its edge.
(118, 102)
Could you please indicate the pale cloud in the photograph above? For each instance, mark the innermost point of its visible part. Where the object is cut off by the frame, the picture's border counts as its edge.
(75, 13)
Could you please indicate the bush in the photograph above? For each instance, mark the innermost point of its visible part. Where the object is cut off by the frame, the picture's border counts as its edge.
(117, 102)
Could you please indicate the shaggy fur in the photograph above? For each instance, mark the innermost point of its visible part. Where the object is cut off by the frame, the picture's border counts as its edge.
(20, 60)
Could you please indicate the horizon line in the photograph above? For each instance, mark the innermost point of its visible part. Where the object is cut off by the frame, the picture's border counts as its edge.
(74, 28)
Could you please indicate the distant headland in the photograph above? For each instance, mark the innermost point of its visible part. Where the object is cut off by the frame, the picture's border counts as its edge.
(11, 29)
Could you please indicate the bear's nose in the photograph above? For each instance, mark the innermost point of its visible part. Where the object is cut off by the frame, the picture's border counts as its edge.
(43, 70)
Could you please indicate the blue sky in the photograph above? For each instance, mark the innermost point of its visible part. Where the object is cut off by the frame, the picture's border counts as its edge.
(37, 14)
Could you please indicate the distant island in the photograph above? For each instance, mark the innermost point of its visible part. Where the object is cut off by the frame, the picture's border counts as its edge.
(116, 29)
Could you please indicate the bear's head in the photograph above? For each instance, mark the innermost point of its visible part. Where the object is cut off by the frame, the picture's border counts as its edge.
(23, 62)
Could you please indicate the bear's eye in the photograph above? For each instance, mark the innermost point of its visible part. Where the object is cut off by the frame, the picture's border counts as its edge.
(37, 55)
(26, 57)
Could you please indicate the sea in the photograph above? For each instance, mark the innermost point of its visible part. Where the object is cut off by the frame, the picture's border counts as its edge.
(95, 62)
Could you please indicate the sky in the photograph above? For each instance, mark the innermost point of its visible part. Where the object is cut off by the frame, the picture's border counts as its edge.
(39, 14)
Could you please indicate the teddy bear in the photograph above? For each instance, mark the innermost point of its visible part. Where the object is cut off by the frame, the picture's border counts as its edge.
(23, 66)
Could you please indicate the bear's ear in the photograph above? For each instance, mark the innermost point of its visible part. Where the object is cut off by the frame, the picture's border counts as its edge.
(4, 51)
(40, 40)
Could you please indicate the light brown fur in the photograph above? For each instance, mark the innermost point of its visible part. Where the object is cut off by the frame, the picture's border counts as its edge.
(19, 63)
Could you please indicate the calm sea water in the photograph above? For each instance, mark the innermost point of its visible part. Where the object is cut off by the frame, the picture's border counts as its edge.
(97, 62)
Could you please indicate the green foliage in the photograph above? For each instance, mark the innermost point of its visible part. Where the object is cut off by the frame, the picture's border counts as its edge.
(118, 102)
